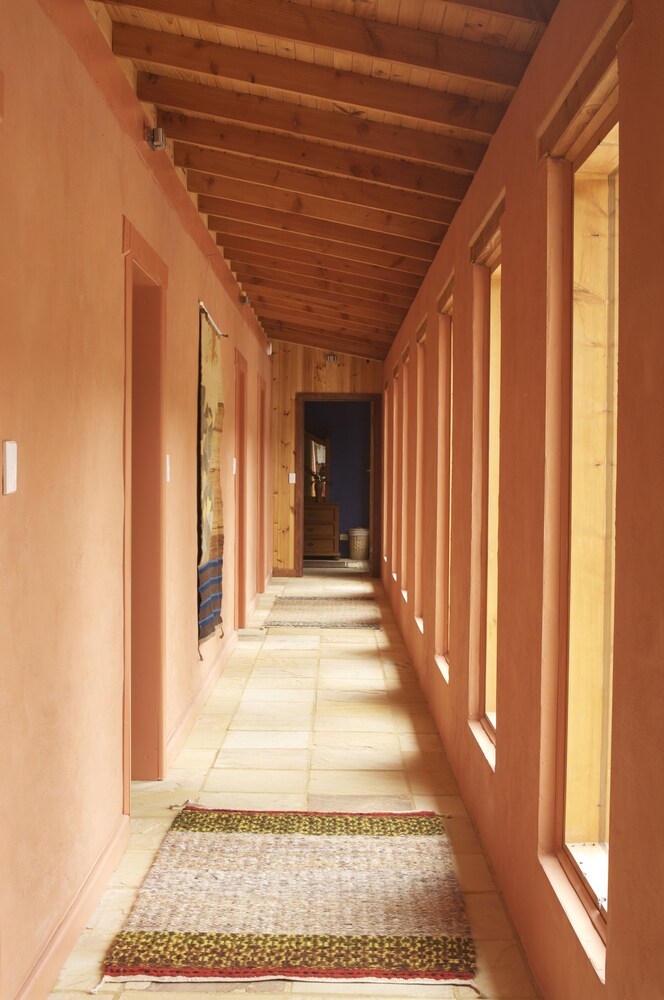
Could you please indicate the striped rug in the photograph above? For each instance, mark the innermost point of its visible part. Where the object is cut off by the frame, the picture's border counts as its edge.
(358, 611)
(239, 896)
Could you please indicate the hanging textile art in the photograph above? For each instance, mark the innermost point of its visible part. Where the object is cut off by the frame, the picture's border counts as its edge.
(211, 509)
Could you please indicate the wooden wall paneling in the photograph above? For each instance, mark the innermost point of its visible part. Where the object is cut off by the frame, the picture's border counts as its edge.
(297, 368)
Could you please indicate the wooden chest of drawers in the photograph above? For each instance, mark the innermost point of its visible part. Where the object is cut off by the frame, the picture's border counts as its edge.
(321, 528)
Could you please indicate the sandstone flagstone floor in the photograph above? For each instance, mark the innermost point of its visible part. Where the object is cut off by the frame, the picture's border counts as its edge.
(326, 719)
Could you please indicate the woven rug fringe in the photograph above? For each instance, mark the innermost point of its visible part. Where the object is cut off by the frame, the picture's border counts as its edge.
(179, 806)
(95, 989)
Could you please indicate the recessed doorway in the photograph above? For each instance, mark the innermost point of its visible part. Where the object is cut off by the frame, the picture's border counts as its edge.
(338, 461)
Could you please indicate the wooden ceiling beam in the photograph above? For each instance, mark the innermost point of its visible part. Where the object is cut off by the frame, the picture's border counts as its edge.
(359, 337)
(357, 349)
(295, 284)
(535, 11)
(341, 269)
(313, 207)
(315, 313)
(304, 226)
(333, 161)
(332, 126)
(357, 90)
(309, 320)
(339, 298)
(297, 180)
(347, 33)
(357, 286)
(317, 245)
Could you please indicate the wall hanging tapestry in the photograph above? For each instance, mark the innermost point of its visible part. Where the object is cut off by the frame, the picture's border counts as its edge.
(211, 508)
(360, 611)
(326, 897)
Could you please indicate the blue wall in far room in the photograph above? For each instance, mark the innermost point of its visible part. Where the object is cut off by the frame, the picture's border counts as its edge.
(348, 426)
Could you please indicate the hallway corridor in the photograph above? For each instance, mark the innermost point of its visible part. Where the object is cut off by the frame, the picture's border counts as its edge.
(320, 719)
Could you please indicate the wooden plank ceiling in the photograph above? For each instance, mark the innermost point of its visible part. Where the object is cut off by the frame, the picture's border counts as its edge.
(327, 143)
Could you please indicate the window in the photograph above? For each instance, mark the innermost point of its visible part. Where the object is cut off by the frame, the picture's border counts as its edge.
(444, 484)
(492, 468)
(591, 517)
(387, 451)
(486, 254)
(420, 390)
(405, 478)
(395, 452)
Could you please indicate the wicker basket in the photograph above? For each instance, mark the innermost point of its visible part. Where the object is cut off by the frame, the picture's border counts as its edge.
(359, 543)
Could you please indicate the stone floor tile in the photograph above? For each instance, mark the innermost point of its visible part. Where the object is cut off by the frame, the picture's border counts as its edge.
(235, 780)
(331, 720)
(359, 803)
(348, 782)
(252, 800)
(267, 758)
(257, 739)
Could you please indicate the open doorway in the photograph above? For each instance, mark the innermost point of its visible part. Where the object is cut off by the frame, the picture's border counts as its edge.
(146, 278)
(338, 460)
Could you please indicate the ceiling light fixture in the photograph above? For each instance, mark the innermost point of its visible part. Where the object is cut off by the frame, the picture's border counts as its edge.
(156, 138)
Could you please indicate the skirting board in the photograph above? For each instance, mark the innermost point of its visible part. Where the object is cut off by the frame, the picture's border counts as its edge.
(177, 738)
(284, 572)
(44, 973)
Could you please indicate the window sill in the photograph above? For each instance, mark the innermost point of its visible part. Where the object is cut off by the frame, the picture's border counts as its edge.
(562, 882)
(486, 745)
(444, 667)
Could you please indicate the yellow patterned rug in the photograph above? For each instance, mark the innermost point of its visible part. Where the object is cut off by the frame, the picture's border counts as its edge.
(238, 896)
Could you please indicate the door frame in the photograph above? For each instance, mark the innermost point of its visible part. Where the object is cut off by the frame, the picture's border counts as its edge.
(376, 453)
(139, 254)
(241, 520)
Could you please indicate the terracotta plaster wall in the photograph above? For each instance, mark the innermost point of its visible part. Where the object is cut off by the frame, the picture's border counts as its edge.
(73, 167)
(505, 803)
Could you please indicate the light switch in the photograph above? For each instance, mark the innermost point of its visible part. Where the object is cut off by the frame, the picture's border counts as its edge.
(168, 468)
(9, 466)
(292, 478)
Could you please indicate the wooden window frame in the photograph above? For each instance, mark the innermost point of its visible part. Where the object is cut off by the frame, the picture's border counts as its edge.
(444, 479)
(395, 549)
(387, 487)
(404, 504)
(592, 903)
(485, 256)
(420, 435)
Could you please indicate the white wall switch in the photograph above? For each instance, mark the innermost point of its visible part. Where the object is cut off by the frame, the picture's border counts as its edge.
(168, 468)
(9, 467)
(292, 478)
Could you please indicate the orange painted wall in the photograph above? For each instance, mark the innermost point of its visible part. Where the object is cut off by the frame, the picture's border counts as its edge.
(505, 804)
(73, 167)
